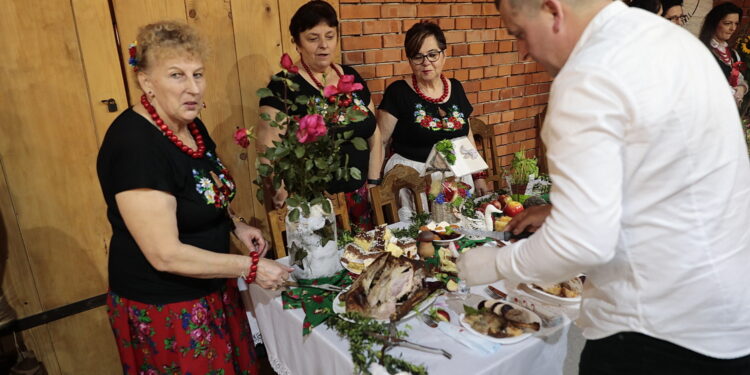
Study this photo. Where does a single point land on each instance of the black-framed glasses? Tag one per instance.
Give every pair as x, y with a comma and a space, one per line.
431, 56
683, 19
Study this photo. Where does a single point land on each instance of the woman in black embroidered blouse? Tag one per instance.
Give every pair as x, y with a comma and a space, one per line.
418, 112
718, 28
172, 279
314, 28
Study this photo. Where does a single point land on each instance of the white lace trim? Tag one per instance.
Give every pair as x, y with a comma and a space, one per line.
718, 44
278, 366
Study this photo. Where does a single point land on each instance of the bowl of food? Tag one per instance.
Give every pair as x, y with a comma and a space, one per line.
443, 233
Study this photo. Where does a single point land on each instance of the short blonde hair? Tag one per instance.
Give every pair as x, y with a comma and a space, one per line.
166, 38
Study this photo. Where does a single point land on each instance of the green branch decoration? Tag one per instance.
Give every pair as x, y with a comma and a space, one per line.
445, 148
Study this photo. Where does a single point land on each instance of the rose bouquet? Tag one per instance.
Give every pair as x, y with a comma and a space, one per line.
306, 158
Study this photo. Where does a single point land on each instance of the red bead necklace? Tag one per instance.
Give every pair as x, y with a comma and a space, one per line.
425, 97
724, 55
195, 154
309, 72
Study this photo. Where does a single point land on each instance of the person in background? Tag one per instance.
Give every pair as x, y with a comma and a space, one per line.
718, 28
420, 111
173, 303
314, 29
674, 12
653, 6
651, 191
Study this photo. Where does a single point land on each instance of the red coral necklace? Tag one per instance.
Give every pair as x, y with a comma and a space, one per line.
309, 72
427, 98
725, 55
195, 154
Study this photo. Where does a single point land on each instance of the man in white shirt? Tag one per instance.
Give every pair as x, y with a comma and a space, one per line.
651, 191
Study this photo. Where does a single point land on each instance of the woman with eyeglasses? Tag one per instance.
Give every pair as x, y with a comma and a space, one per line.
424, 109
673, 11
720, 24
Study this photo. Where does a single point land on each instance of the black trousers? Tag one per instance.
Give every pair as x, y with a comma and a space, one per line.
631, 353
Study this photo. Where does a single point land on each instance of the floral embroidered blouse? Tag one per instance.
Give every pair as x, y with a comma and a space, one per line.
421, 124
135, 155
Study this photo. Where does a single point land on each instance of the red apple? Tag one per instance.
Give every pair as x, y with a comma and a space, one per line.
513, 208
497, 204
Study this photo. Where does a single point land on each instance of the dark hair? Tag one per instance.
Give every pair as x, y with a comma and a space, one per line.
666, 4
714, 17
418, 33
310, 15
652, 6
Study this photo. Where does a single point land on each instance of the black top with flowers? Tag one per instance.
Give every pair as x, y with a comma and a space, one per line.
421, 124
135, 155
364, 128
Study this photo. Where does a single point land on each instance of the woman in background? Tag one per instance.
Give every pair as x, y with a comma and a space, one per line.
718, 28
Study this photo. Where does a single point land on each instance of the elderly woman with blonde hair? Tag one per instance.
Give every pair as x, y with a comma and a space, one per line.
173, 302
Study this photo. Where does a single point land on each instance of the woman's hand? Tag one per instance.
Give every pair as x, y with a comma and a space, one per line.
480, 187
251, 237
739, 94
271, 274
279, 198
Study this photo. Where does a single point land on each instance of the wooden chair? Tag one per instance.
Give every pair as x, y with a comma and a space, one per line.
386, 194
484, 137
277, 222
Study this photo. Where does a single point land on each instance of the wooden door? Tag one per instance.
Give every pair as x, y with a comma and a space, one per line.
49, 197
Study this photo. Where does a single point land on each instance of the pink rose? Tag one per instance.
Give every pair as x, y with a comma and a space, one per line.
288, 64
242, 137
143, 329
347, 85
311, 127
330, 90
152, 372
197, 335
199, 314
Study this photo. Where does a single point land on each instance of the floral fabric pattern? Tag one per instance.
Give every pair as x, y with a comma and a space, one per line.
217, 187
454, 119
358, 205
207, 336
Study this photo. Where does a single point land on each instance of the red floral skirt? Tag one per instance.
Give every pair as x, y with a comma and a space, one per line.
209, 335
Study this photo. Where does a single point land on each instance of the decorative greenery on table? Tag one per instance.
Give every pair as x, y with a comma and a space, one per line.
417, 220
358, 331
445, 148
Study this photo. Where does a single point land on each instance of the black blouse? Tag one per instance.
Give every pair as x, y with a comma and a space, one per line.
364, 128
134, 155
421, 124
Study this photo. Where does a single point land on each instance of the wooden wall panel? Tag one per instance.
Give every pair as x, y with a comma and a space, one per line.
104, 75
131, 15
84, 343
17, 281
223, 113
257, 60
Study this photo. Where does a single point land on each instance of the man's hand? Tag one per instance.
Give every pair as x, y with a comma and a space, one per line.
529, 220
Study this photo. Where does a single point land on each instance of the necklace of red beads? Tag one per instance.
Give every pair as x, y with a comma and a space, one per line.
195, 154
725, 55
427, 98
309, 72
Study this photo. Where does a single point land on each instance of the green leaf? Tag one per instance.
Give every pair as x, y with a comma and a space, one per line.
265, 116
280, 116
259, 195
359, 143
321, 162
355, 173
305, 209
327, 206
468, 310
292, 201
309, 164
348, 134
294, 215
354, 115
302, 100
264, 92
264, 170
299, 151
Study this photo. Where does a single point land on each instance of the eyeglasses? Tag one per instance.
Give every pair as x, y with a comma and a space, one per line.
431, 56
683, 19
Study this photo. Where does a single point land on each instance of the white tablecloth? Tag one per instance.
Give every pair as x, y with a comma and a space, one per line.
324, 352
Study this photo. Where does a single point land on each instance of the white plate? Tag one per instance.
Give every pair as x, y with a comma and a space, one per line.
505, 340
340, 307
445, 243
546, 297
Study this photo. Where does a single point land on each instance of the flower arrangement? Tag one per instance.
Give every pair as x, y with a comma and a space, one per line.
451, 192
307, 157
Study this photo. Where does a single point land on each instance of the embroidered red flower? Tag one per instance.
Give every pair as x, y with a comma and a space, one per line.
317, 298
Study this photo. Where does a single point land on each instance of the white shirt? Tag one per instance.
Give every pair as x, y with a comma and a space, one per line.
650, 187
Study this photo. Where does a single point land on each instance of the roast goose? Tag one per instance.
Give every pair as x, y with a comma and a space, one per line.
388, 288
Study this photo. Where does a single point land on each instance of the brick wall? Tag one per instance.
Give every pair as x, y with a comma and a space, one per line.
506, 93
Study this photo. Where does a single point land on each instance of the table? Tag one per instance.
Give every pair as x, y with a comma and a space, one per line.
324, 352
